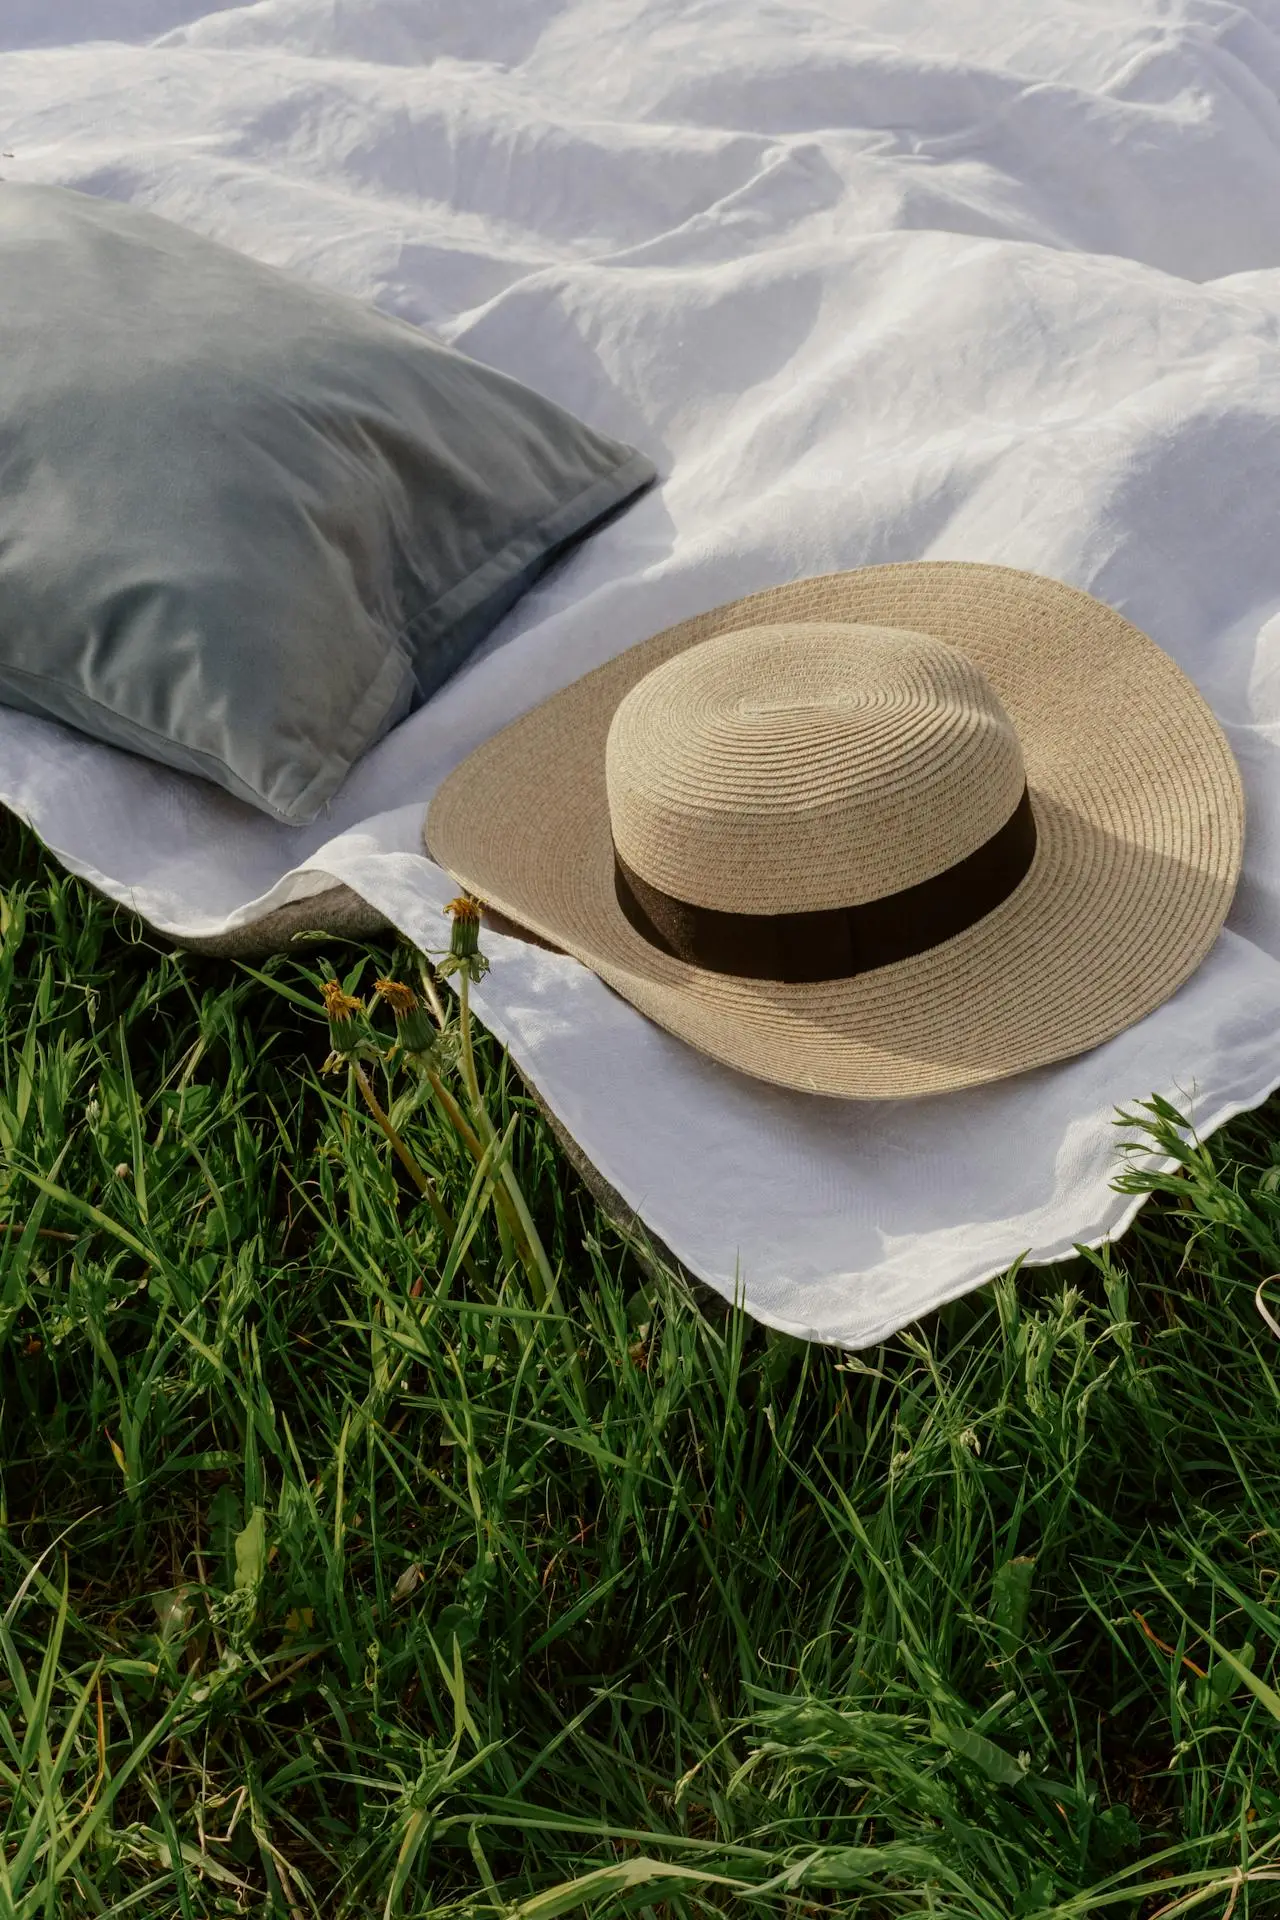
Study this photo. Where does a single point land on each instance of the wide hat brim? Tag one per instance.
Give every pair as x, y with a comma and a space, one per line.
1139, 815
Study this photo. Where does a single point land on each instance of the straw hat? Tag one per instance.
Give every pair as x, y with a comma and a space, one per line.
879, 833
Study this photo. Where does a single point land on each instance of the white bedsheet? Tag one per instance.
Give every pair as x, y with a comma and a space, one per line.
872, 280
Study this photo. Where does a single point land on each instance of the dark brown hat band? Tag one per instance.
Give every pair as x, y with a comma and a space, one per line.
838, 942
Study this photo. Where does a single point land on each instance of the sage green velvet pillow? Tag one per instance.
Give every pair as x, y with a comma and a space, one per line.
247, 524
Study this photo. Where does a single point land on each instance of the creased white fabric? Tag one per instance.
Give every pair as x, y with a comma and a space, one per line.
872, 280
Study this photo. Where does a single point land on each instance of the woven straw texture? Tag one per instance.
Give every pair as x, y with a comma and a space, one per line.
1138, 810
787, 768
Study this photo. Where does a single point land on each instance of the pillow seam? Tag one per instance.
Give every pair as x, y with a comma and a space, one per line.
617, 483
344, 759
614, 485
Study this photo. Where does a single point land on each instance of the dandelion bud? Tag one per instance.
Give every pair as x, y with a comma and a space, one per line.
346, 1023
415, 1031
464, 954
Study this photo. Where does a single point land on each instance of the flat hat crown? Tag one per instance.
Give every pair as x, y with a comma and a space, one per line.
790, 768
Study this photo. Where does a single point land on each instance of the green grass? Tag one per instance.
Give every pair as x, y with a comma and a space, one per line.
336, 1581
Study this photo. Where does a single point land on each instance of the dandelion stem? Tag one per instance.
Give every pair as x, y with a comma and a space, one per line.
468, 1053
507, 1212
453, 1114
421, 1180
432, 995
458, 1121
511, 1210
533, 1253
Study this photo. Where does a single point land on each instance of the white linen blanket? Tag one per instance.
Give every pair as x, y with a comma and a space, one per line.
871, 280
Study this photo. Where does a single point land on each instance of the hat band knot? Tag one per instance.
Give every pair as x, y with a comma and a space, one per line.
834, 943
